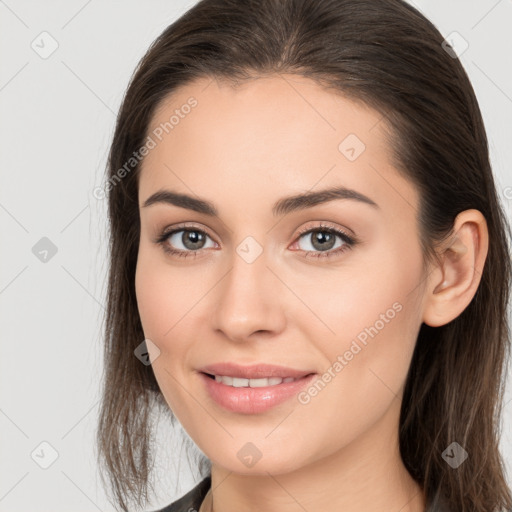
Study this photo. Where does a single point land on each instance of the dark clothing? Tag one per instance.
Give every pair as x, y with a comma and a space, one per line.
191, 501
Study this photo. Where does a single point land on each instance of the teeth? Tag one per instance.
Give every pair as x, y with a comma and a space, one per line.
253, 383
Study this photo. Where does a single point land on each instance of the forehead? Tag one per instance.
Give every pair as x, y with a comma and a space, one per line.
269, 136
255, 111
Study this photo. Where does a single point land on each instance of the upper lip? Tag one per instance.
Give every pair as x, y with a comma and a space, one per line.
255, 371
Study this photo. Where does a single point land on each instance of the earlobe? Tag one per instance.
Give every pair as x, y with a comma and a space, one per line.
461, 261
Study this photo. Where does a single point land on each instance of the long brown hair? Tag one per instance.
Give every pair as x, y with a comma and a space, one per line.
387, 55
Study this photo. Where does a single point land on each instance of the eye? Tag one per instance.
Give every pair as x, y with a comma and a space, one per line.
321, 241
188, 241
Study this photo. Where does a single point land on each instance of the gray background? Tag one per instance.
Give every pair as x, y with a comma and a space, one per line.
57, 118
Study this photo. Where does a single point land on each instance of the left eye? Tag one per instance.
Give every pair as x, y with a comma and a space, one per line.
323, 240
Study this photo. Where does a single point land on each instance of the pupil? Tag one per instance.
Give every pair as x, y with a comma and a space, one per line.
191, 239
323, 240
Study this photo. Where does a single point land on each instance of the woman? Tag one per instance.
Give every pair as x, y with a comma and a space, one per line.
309, 264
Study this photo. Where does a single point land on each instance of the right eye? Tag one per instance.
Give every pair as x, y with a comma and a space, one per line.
192, 241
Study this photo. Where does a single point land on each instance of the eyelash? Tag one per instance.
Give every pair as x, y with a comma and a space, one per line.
349, 241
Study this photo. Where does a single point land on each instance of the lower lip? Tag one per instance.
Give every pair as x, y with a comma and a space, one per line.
247, 400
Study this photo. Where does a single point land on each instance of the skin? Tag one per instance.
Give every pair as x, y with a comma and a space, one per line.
243, 149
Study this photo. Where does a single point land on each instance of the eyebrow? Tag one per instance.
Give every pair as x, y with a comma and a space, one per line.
283, 206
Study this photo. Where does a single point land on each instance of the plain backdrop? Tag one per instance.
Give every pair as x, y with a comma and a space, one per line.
57, 117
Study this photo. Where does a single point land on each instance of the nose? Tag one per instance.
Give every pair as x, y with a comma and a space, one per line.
249, 302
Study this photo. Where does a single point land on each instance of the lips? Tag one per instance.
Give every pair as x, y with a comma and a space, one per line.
255, 371
253, 400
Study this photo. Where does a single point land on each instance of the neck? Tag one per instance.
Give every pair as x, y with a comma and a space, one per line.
368, 474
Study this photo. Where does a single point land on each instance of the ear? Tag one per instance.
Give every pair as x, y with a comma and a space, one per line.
454, 281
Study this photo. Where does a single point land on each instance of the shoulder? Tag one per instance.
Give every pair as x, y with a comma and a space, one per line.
191, 501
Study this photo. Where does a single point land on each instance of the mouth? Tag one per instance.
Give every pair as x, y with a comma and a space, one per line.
255, 372
262, 382
252, 395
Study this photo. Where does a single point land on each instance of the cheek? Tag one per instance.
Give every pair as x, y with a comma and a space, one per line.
151, 299
374, 291
164, 295
160, 310
376, 322
169, 301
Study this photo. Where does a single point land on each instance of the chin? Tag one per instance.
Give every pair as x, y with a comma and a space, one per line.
287, 462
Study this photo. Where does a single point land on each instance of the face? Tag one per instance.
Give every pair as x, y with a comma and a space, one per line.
329, 287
